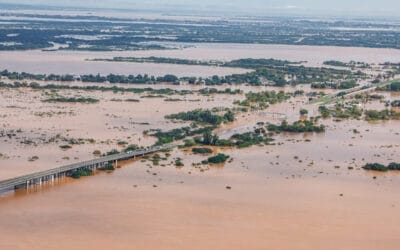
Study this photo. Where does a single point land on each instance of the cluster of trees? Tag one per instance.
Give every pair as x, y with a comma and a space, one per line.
202, 151
177, 134
374, 115
300, 126
342, 85
131, 79
251, 63
21, 76
325, 112
204, 117
303, 111
343, 111
266, 71
72, 99
218, 159
336, 63
346, 111
111, 78
263, 98
208, 138
81, 172
381, 167
394, 86
164, 91
248, 139
395, 103
271, 69
166, 60
257, 137
210, 91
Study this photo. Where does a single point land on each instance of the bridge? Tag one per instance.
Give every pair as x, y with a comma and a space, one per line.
50, 175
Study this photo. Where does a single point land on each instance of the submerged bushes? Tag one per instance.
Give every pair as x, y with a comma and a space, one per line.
381, 167
203, 116
81, 172
202, 151
219, 158
300, 126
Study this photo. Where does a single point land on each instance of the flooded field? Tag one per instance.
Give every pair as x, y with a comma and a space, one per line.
73, 62
301, 191
306, 191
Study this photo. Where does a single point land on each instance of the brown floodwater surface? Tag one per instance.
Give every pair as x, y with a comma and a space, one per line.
266, 207
305, 191
76, 62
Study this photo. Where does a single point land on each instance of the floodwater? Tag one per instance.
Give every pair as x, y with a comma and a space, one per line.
314, 55
305, 192
76, 62
111, 120
67, 62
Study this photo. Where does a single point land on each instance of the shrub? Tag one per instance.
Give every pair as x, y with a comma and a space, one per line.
376, 167
303, 111
203, 116
300, 126
65, 147
179, 163
325, 112
112, 152
189, 143
202, 150
81, 172
394, 166
219, 158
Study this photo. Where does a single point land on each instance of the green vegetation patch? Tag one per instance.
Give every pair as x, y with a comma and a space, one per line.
342, 111
72, 100
381, 167
203, 116
81, 172
177, 134
376, 115
300, 126
202, 150
392, 86
218, 159
261, 100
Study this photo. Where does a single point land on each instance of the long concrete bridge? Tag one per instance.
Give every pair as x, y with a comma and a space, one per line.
50, 175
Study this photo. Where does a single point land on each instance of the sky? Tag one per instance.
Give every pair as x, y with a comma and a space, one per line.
321, 7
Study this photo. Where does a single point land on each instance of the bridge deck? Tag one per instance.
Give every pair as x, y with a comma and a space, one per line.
21, 180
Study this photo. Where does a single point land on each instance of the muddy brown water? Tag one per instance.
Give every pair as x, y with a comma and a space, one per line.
305, 192
75, 62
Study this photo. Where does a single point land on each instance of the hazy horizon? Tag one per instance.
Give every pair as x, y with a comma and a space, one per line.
310, 7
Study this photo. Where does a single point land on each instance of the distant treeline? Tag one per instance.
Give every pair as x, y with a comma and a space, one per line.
150, 91
265, 72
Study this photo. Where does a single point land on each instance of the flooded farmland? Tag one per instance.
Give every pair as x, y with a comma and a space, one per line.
294, 139
310, 187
